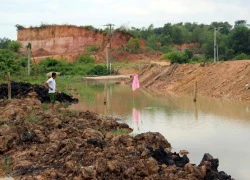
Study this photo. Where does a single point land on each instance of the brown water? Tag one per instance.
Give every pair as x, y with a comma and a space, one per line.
219, 127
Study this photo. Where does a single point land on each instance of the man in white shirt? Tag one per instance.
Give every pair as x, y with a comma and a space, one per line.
51, 84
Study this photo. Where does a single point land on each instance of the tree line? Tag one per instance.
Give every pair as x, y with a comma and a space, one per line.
233, 40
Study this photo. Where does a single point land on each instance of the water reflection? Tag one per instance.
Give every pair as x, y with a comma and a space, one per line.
220, 127
136, 117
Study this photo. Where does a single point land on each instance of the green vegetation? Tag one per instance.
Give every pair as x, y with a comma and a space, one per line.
12, 61
232, 40
31, 118
8, 56
181, 57
120, 131
7, 164
45, 106
84, 65
133, 45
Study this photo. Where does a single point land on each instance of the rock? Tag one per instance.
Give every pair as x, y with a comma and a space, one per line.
214, 162
110, 124
88, 172
101, 165
70, 166
130, 172
184, 152
114, 166
152, 139
42, 138
29, 136
247, 87
97, 143
145, 152
122, 140
131, 148
57, 136
152, 166
22, 167
8, 113
56, 122
4, 143
109, 135
93, 134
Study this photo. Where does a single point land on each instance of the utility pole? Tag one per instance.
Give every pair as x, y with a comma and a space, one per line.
108, 55
215, 30
29, 55
216, 49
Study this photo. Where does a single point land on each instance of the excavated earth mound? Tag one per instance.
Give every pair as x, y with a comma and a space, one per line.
20, 90
41, 144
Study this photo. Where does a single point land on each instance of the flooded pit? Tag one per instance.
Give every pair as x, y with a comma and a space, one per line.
219, 127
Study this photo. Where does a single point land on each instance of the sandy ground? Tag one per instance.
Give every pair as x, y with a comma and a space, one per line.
111, 77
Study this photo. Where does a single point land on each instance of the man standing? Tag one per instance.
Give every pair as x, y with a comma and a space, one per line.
51, 84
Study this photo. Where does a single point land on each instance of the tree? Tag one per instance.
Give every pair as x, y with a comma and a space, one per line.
14, 46
4, 43
19, 27
133, 45
240, 23
239, 40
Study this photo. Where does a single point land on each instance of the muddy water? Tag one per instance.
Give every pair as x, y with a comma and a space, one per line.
220, 127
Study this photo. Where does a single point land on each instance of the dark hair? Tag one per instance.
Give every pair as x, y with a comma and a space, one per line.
53, 74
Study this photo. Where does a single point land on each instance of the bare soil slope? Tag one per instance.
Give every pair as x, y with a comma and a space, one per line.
68, 42
223, 80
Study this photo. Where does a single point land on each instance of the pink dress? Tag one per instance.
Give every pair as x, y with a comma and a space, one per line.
136, 83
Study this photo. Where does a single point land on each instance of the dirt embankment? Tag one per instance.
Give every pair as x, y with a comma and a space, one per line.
223, 80
68, 42
39, 144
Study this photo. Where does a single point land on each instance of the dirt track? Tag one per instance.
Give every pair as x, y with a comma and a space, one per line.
222, 80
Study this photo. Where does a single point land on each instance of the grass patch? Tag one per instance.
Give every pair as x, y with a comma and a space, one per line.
120, 131
45, 106
7, 164
31, 118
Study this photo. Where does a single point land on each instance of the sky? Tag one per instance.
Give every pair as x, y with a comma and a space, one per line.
131, 13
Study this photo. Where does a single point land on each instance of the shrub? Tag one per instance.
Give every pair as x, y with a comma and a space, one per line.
19, 27
98, 70
242, 56
8, 61
14, 46
133, 45
197, 59
188, 54
85, 59
175, 57
92, 49
178, 57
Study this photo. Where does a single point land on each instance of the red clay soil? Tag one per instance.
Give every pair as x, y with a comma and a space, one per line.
223, 80
68, 42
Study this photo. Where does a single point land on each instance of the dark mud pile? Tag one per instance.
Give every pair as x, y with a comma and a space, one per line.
20, 90
40, 144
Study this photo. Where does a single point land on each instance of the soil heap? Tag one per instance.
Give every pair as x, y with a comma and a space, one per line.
20, 90
229, 79
36, 143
